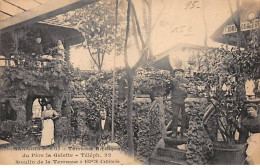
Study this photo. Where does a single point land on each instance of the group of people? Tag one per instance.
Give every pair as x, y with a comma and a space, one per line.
250, 120
250, 123
248, 128
178, 90
103, 124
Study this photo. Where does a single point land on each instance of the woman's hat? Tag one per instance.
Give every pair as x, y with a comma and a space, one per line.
251, 105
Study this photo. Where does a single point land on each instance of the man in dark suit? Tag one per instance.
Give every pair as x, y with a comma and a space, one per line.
103, 128
177, 88
104, 123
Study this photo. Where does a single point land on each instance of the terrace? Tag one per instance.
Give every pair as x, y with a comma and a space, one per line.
35, 56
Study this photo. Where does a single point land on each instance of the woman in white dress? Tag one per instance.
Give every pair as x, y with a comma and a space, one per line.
251, 125
48, 116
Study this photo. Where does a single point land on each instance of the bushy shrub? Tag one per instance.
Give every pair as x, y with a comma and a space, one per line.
18, 134
98, 93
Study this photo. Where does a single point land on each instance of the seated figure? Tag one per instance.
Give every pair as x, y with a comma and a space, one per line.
37, 48
250, 123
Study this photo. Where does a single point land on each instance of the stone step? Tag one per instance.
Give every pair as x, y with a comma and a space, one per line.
174, 142
175, 154
162, 160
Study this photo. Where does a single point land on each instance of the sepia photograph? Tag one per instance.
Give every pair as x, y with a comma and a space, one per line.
129, 82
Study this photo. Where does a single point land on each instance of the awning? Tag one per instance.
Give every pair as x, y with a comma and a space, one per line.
70, 35
163, 63
180, 52
50, 34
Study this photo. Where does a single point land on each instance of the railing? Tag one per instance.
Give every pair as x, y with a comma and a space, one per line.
30, 63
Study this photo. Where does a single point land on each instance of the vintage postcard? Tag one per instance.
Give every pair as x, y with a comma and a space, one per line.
129, 82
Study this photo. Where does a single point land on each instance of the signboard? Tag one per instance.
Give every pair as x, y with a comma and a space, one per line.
245, 26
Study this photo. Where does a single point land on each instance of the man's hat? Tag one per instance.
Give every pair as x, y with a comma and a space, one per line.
175, 70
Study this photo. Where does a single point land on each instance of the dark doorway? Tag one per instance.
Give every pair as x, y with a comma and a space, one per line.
42, 100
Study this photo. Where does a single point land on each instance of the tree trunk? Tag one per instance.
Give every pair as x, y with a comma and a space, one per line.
99, 61
130, 72
238, 24
130, 90
240, 35
99, 68
205, 24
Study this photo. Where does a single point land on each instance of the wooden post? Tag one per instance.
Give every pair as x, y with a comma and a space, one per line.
161, 117
67, 52
114, 76
130, 133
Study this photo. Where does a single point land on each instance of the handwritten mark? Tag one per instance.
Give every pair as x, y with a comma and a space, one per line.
182, 29
192, 5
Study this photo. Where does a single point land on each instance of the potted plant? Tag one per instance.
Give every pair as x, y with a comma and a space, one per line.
229, 71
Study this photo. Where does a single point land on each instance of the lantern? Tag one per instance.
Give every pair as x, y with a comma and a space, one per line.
2, 61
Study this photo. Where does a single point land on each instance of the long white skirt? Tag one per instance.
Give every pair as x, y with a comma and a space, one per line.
253, 150
47, 133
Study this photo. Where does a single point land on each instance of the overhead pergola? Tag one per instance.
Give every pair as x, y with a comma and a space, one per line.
29, 15
18, 13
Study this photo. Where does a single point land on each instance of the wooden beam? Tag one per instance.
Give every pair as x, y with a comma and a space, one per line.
14, 5
41, 12
37, 2
6, 13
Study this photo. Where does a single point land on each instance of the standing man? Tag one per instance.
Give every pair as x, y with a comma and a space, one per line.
178, 88
103, 128
104, 123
